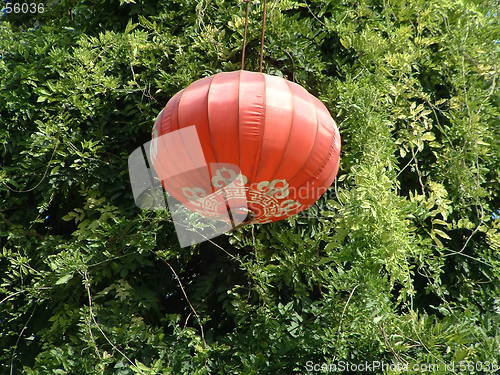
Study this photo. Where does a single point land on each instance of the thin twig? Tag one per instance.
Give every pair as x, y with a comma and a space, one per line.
92, 316
293, 65
227, 252
25, 232
422, 343
199, 304
245, 35
12, 295
418, 171
23, 291
469, 238
188, 301
337, 191
44, 175
406, 166
212, 242
387, 343
19, 338
262, 38
317, 19
342, 316
43, 210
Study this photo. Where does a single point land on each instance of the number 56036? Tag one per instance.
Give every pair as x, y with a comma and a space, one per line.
24, 8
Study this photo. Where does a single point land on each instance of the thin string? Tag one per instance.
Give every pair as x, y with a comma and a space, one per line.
245, 36
262, 39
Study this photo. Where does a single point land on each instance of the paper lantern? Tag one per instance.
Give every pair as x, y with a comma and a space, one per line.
274, 141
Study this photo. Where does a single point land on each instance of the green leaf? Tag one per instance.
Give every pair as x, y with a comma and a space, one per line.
130, 25
64, 279
441, 234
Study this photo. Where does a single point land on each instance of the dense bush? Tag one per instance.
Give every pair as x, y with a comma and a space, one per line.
399, 261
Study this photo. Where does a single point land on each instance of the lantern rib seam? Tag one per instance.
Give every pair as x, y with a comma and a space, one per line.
330, 153
332, 173
289, 136
261, 129
210, 132
175, 108
329, 157
193, 182
314, 143
239, 125
200, 176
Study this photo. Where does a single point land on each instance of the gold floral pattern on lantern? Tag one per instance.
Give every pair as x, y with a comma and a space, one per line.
268, 196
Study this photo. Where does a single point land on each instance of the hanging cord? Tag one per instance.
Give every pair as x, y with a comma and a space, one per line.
245, 36
262, 39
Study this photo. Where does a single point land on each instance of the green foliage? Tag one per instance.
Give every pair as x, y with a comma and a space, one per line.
398, 262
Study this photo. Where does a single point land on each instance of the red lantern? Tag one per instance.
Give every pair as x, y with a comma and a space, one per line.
283, 140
